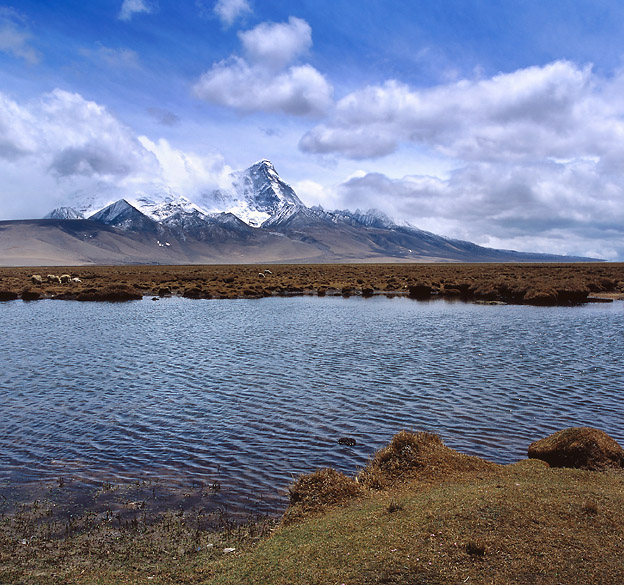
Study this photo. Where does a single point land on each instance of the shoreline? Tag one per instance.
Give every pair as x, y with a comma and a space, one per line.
532, 284
415, 494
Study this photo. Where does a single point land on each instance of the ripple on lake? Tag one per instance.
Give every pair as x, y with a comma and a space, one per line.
252, 392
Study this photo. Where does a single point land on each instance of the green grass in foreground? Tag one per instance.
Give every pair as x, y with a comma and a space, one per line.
421, 514
523, 524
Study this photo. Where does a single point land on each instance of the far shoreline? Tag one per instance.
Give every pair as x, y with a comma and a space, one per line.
518, 283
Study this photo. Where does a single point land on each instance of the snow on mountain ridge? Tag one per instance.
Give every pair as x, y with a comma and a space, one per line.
64, 213
171, 204
257, 196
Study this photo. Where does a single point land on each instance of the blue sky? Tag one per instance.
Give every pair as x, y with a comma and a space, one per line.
497, 122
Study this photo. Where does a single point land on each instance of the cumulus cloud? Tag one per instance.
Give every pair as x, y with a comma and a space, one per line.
566, 207
62, 147
536, 155
131, 7
275, 45
186, 172
313, 193
17, 138
229, 11
558, 110
266, 79
15, 37
83, 138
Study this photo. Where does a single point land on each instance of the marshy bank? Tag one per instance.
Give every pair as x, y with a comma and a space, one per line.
536, 284
419, 512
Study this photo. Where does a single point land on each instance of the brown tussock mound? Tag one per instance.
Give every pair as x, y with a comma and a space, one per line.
112, 293
535, 284
315, 492
579, 447
417, 455
409, 456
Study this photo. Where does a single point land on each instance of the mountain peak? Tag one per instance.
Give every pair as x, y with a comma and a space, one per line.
256, 196
123, 215
64, 213
265, 162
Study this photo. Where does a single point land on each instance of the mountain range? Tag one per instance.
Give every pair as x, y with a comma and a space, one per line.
258, 218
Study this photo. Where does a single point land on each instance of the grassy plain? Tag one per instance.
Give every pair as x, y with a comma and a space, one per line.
518, 283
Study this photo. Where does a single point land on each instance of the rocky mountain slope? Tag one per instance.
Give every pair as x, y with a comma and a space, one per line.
259, 218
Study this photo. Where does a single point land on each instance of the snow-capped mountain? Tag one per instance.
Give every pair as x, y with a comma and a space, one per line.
162, 204
259, 217
64, 213
124, 216
256, 196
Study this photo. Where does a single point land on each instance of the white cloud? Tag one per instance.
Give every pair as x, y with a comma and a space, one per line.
265, 80
229, 11
537, 157
313, 193
299, 91
83, 138
276, 44
187, 172
15, 37
559, 110
550, 207
17, 138
61, 144
131, 7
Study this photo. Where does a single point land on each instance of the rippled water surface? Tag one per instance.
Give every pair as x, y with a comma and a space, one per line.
250, 393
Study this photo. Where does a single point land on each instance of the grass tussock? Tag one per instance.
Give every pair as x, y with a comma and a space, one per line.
525, 523
579, 447
411, 455
315, 492
537, 284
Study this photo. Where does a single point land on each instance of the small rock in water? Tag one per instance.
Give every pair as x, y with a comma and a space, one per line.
349, 441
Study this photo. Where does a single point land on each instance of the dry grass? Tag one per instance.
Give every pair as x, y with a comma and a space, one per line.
315, 492
579, 447
540, 284
412, 456
524, 523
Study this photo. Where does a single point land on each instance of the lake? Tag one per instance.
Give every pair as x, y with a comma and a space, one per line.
246, 394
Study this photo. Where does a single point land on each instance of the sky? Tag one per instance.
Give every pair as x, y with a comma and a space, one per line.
498, 122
